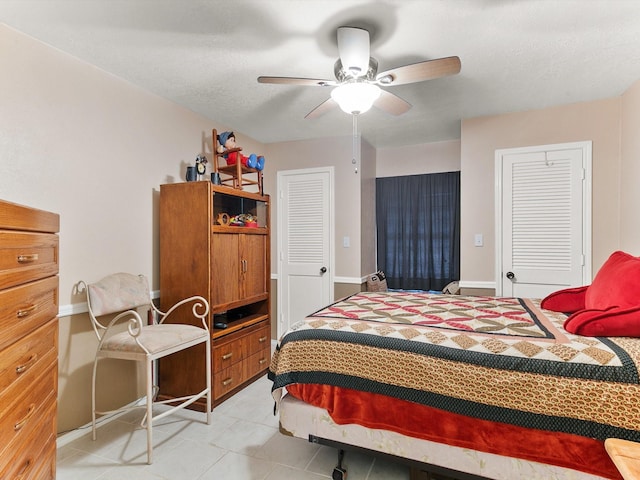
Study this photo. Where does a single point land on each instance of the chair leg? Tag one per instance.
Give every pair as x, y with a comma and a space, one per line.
208, 373
93, 399
149, 373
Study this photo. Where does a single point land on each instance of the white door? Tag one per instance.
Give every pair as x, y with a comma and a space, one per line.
544, 237
305, 245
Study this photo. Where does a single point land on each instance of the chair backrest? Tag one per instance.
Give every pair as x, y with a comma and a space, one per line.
116, 293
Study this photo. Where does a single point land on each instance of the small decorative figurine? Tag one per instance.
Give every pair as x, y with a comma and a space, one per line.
201, 164
226, 142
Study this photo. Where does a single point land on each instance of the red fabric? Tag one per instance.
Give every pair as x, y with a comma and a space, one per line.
609, 307
568, 300
613, 322
617, 283
381, 412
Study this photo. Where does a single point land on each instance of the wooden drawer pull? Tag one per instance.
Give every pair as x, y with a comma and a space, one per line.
27, 258
262, 339
26, 311
25, 469
23, 422
262, 361
25, 366
226, 382
227, 356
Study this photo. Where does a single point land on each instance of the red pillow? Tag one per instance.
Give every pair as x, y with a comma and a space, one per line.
617, 283
568, 300
614, 322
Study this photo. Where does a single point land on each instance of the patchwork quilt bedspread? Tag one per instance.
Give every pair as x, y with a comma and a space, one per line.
498, 359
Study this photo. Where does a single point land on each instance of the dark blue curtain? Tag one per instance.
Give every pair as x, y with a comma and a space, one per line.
418, 230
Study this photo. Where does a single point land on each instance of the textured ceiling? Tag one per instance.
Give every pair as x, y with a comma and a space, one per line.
206, 55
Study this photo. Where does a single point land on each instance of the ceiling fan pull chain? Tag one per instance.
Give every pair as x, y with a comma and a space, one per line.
355, 141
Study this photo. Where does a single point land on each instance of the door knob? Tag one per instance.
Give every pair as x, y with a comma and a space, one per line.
323, 270
511, 275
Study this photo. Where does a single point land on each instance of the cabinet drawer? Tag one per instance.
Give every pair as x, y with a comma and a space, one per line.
258, 340
26, 411
34, 457
25, 257
256, 363
225, 355
26, 359
25, 308
227, 379
47, 468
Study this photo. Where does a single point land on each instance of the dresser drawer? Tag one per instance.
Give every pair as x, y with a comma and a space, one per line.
34, 456
26, 359
227, 354
227, 379
25, 308
26, 410
45, 464
256, 363
258, 340
25, 257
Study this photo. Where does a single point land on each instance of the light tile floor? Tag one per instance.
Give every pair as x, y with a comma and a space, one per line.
242, 443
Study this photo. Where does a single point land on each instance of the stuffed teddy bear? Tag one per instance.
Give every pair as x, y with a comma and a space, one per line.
609, 307
226, 142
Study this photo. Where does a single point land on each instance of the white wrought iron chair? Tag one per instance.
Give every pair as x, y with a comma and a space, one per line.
123, 294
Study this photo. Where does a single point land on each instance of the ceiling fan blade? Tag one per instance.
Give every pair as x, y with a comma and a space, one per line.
311, 82
391, 103
421, 71
353, 47
323, 108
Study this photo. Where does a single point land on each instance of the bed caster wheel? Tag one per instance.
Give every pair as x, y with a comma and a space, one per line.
339, 474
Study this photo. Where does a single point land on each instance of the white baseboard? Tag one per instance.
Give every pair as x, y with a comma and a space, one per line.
477, 284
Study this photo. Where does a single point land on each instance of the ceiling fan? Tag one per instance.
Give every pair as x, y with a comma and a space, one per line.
357, 84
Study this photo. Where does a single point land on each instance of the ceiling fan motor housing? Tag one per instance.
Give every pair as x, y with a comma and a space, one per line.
342, 75
353, 46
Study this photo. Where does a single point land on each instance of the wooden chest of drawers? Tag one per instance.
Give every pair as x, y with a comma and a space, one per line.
28, 342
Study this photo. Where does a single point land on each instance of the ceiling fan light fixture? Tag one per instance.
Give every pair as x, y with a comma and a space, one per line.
355, 98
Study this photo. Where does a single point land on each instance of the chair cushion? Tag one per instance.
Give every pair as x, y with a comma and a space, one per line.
118, 292
155, 338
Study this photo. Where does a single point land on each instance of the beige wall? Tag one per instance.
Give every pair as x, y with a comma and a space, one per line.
367, 238
82, 143
597, 121
433, 157
335, 152
630, 165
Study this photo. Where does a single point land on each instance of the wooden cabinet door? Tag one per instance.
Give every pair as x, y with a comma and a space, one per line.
225, 269
253, 254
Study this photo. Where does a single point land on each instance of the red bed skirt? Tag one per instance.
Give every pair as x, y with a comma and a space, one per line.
377, 411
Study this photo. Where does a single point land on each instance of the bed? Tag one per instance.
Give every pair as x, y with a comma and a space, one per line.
470, 386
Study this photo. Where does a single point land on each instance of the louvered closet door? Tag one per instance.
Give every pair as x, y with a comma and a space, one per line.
542, 222
304, 232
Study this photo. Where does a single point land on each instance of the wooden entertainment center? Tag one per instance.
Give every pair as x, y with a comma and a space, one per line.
202, 253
